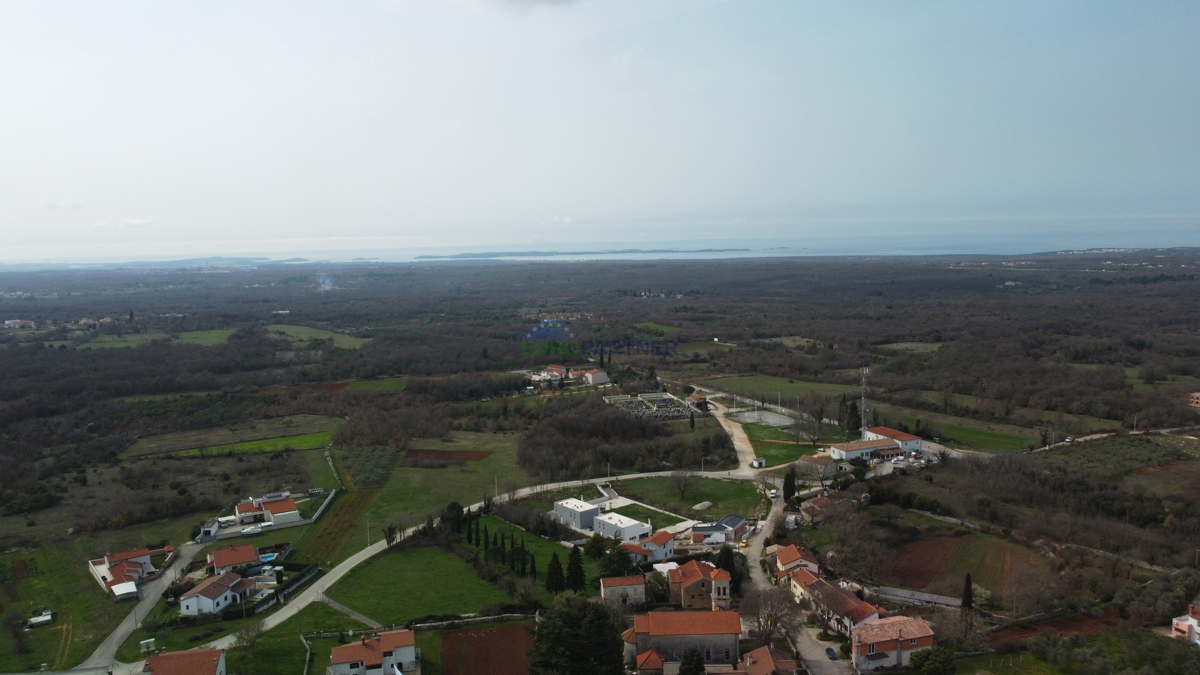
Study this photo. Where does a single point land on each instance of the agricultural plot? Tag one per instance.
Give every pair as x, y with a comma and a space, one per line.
753, 385
320, 439
486, 650
939, 565
280, 653
279, 427
304, 334
961, 431
654, 328
396, 587
128, 340
205, 338
727, 496
326, 542
378, 385
1006, 664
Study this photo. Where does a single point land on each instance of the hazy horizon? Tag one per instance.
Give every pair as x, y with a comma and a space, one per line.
140, 131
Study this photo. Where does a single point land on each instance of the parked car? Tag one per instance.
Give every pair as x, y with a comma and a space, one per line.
831, 654
1070, 439
897, 460
774, 494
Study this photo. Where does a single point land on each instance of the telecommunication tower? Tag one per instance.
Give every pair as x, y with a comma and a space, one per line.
862, 407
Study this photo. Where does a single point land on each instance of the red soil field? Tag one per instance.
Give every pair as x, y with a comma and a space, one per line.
918, 564
495, 650
1084, 624
448, 455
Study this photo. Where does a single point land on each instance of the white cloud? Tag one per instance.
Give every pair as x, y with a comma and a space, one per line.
123, 223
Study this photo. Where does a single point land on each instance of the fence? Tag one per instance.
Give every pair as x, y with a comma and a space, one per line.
321, 510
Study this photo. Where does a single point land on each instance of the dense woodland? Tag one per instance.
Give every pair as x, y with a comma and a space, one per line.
1052, 332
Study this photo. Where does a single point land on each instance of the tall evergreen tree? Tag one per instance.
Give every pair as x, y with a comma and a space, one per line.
692, 662
577, 636
533, 568
967, 608
486, 541
789, 484
576, 581
615, 563
554, 575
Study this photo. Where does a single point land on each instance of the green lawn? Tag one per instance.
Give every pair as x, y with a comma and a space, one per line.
655, 327
983, 440
776, 453
299, 442
961, 431
397, 587
1006, 664
378, 385
128, 340
656, 518
318, 468
205, 338
304, 334
280, 651
255, 430
752, 385
541, 547
727, 496
412, 493
176, 639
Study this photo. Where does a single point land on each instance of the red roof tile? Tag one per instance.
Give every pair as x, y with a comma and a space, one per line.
695, 570
635, 549
649, 660
766, 661
242, 554
191, 662
614, 582
893, 434
213, 587
127, 555
660, 538
891, 628
278, 506
248, 507
716, 622
370, 650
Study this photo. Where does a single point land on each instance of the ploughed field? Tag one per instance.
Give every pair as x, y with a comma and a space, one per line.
938, 565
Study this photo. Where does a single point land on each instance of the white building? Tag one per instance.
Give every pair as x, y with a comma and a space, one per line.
277, 509
576, 513
120, 573
380, 654
658, 547
621, 528
872, 449
1187, 627
595, 376
216, 594
911, 445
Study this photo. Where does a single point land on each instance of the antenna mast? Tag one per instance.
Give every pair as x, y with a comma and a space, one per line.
864, 372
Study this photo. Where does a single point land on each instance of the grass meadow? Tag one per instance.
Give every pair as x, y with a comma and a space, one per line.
656, 518
394, 588
304, 334
378, 385
278, 427
727, 496
299, 442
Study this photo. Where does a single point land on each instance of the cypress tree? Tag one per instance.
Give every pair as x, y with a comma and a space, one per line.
554, 575
968, 603
533, 567
576, 581
789, 484
486, 541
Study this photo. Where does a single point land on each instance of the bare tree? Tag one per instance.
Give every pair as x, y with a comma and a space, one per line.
771, 612
682, 480
248, 637
859, 551
810, 472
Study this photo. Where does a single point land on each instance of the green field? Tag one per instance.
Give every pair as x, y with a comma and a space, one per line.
277, 427
753, 385
378, 385
205, 338
728, 496
128, 340
280, 651
300, 442
960, 431
541, 548
179, 638
657, 328
657, 519
777, 453
396, 587
1006, 664
983, 440
305, 334
917, 347
412, 493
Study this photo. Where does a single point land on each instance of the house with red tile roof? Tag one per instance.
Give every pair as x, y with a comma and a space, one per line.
623, 591
1187, 627
275, 509
889, 642
792, 557
120, 573
767, 661
649, 662
378, 653
715, 633
190, 662
231, 558
656, 547
838, 607
911, 445
595, 376
882, 448
216, 594
699, 585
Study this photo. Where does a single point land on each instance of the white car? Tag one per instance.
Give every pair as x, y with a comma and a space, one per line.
898, 460
774, 494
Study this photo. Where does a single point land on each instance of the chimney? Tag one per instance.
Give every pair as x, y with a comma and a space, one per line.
363, 640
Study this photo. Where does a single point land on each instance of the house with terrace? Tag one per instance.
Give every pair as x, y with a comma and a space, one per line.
382, 653
120, 573
216, 594
232, 558
656, 547
277, 508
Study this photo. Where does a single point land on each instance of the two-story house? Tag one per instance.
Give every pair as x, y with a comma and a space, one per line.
378, 654
623, 591
231, 558
656, 547
793, 557
699, 585
1187, 627
889, 642
667, 634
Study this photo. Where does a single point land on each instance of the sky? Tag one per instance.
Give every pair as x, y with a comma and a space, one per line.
133, 130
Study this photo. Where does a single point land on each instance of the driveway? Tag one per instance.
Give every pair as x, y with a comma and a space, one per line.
812, 652
741, 442
754, 551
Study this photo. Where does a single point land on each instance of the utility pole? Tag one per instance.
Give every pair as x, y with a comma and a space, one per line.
368, 530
